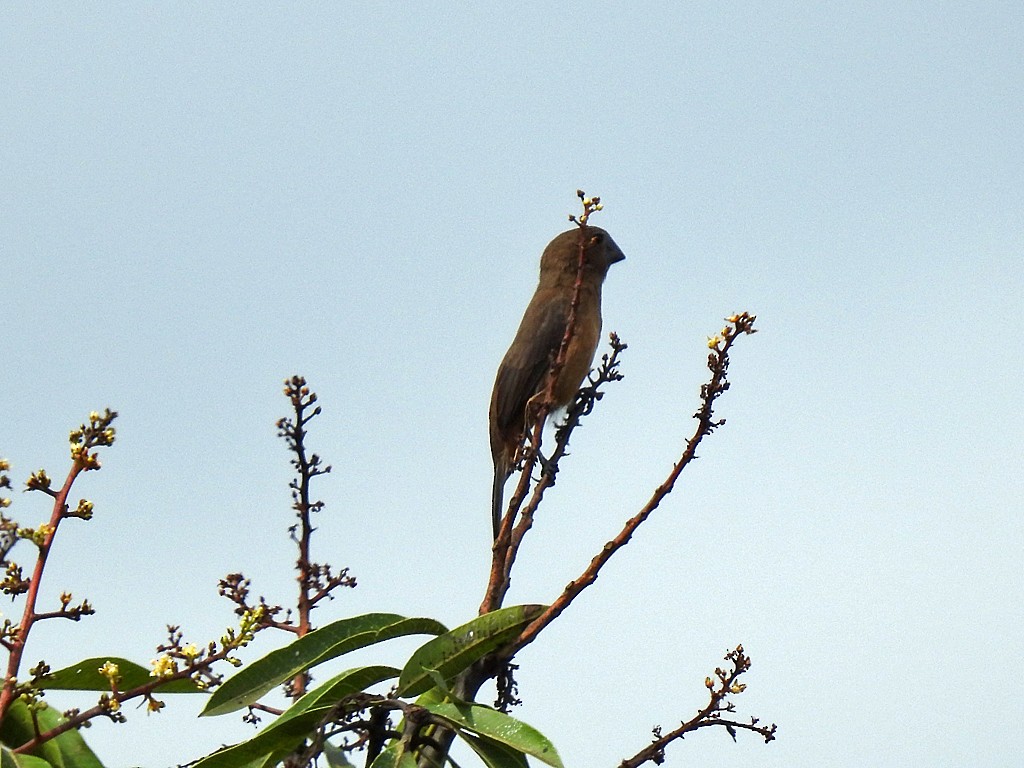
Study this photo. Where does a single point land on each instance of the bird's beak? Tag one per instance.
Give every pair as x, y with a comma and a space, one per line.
614, 257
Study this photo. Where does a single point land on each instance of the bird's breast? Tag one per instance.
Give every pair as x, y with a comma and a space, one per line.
580, 355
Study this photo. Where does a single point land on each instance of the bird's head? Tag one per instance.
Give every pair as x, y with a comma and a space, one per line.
563, 253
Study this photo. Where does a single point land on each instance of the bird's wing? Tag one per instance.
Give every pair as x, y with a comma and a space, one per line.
521, 374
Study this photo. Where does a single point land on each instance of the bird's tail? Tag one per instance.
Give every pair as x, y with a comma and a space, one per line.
498, 497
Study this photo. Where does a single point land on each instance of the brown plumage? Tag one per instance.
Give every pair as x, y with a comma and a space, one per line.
523, 371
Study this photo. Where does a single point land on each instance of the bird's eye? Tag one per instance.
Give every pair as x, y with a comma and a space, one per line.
597, 238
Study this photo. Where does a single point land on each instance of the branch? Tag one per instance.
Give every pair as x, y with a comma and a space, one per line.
538, 409
710, 715
195, 665
98, 432
316, 581
718, 364
582, 405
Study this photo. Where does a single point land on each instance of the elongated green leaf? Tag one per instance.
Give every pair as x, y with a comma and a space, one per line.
10, 760
495, 754
298, 721
318, 646
340, 686
499, 727
85, 676
68, 750
452, 652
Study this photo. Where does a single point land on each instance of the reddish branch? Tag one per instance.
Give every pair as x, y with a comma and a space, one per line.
501, 568
97, 433
510, 537
718, 363
29, 616
146, 690
507, 543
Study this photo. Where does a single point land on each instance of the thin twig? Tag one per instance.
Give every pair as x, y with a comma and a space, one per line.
710, 715
718, 363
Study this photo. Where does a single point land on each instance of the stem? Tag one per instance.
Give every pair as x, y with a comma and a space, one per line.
719, 365
29, 616
505, 547
302, 507
120, 696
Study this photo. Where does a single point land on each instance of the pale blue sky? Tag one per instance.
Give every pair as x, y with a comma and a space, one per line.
200, 199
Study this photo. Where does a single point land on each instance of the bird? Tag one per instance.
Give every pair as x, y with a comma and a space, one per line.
522, 374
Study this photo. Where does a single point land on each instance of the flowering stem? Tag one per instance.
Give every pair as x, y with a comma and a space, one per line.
718, 364
29, 616
120, 697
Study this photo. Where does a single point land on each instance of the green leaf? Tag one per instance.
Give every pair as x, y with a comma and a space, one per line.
318, 646
499, 727
10, 760
68, 750
494, 754
340, 686
85, 676
454, 651
289, 730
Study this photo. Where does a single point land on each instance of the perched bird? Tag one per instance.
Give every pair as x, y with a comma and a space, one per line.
523, 372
